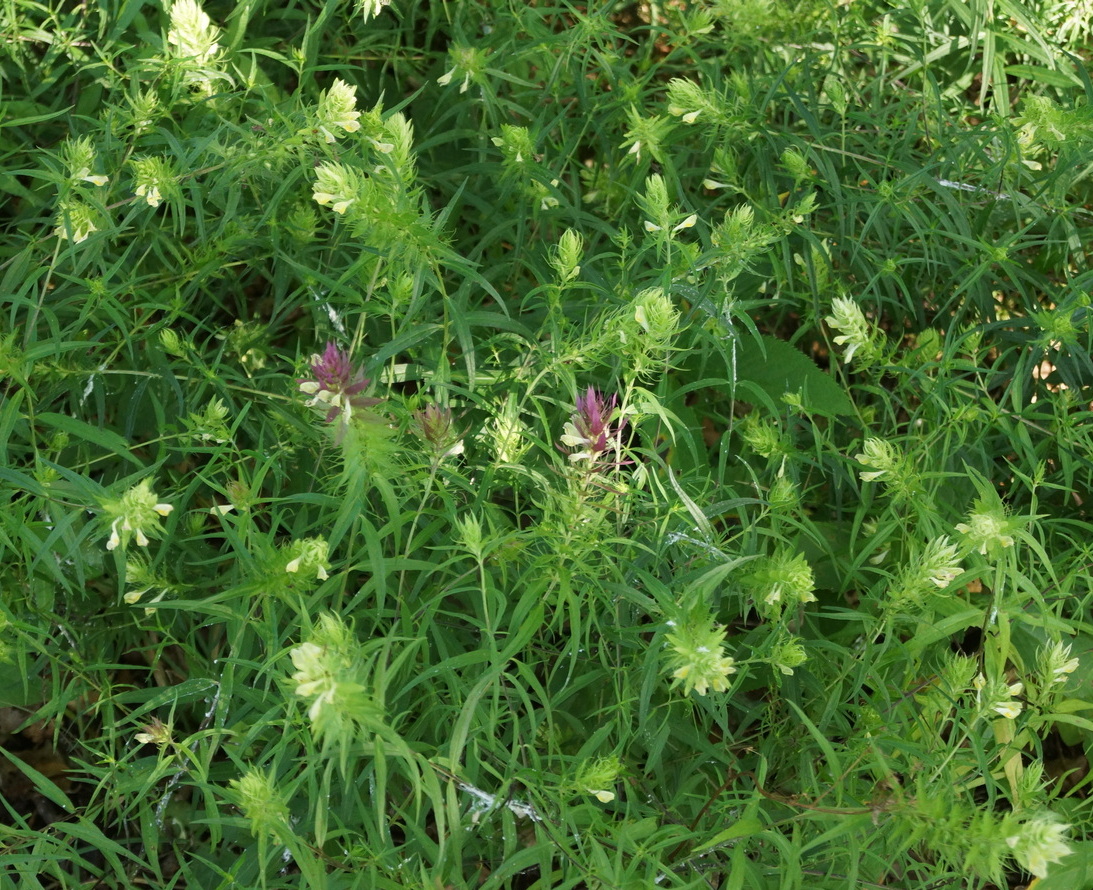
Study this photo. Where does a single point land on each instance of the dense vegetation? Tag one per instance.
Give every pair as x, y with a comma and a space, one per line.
545, 445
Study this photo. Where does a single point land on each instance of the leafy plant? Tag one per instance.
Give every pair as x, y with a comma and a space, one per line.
544, 446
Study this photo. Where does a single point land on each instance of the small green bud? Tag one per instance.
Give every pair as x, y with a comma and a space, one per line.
566, 260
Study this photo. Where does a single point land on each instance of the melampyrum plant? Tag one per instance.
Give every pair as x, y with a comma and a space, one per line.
537, 446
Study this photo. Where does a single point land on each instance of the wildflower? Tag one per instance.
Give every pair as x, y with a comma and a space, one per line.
657, 319
257, 796
337, 109
589, 429
192, 33
336, 185
156, 732
135, 515
142, 580
313, 679
788, 655
998, 697
153, 177
781, 581
75, 222
468, 60
371, 8
434, 424
697, 656
468, 532
397, 142
150, 193
988, 530
783, 494
939, 564
566, 260
796, 165
321, 660
764, 438
210, 425
646, 134
687, 101
686, 224
508, 436
145, 108
309, 555
79, 158
880, 455
1040, 841
327, 673
515, 144
1055, 663
336, 382
597, 776
654, 202
847, 317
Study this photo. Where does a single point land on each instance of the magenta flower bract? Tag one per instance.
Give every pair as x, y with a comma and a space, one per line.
336, 382
590, 429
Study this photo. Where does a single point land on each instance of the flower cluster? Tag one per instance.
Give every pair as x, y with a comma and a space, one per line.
1055, 663
643, 331
154, 178
764, 438
649, 134
855, 331
79, 158
989, 530
338, 110
882, 457
142, 580
697, 656
660, 214
889, 465
336, 383
435, 424
516, 146
590, 430
75, 221
1038, 842
155, 732
997, 697
192, 33
931, 570
329, 670
597, 777
257, 795
336, 185
788, 655
566, 259
309, 555
369, 9
781, 581
469, 61
687, 101
506, 434
135, 514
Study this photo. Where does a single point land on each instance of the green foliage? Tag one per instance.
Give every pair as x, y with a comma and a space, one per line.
537, 446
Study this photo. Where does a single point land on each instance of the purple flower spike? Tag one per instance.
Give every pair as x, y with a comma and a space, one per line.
336, 382
589, 429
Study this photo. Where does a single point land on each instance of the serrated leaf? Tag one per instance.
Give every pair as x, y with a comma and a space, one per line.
777, 368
